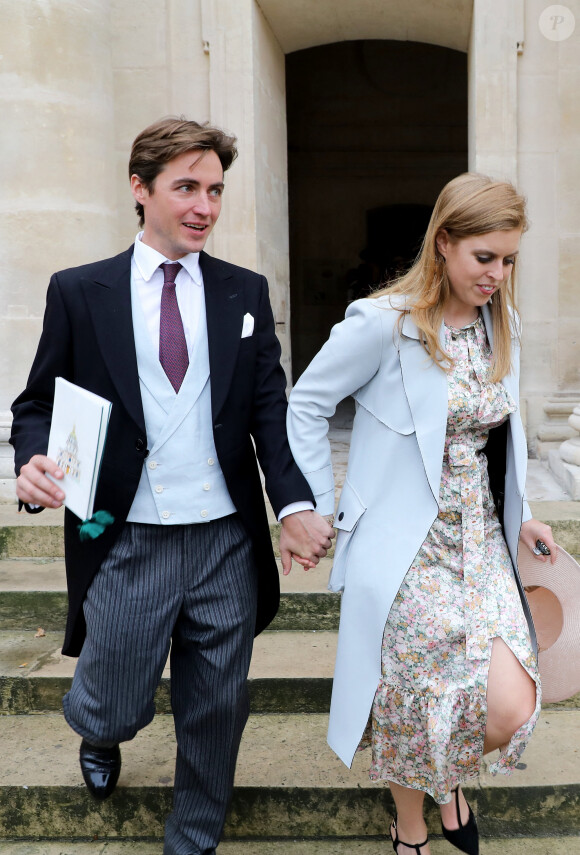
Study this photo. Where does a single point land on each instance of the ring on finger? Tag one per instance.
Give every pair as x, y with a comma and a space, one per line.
542, 548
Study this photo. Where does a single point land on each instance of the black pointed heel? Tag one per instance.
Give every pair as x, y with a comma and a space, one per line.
466, 837
396, 842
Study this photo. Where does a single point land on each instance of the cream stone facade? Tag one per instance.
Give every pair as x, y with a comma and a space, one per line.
80, 78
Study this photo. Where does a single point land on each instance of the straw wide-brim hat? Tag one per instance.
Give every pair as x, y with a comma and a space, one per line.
553, 592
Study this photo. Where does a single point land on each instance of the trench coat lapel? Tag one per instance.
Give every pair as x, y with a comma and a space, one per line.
224, 306
109, 299
426, 389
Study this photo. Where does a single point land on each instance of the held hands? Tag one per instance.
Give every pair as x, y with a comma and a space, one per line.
34, 488
305, 537
533, 530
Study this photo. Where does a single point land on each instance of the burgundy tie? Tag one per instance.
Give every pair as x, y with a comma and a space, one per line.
172, 345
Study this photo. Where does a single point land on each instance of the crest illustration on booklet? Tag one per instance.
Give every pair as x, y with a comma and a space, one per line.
76, 443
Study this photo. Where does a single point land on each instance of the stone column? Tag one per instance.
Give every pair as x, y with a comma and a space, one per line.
496, 37
6, 459
159, 69
247, 97
56, 170
548, 174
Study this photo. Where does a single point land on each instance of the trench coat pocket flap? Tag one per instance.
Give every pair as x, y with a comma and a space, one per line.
350, 508
387, 403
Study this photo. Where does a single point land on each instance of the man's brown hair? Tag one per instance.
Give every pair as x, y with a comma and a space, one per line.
167, 138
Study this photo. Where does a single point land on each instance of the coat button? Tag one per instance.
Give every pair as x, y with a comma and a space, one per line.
341, 516
140, 444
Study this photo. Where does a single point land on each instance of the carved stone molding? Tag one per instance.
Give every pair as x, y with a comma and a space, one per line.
556, 427
565, 461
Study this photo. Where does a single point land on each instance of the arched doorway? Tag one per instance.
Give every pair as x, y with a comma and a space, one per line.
375, 128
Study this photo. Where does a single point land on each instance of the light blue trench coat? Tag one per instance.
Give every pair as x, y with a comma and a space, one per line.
389, 499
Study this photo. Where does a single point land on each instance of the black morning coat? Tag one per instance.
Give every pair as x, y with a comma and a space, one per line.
87, 338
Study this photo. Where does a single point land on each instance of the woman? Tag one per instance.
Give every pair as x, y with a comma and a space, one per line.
436, 643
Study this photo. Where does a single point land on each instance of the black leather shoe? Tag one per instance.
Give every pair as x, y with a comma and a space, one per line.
100, 768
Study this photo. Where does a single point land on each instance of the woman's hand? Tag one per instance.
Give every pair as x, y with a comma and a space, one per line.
533, 530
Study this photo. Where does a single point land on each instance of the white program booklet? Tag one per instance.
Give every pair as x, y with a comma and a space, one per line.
76, 442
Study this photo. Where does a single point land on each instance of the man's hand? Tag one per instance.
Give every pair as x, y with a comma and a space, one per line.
533, 530
306, 537
34, 488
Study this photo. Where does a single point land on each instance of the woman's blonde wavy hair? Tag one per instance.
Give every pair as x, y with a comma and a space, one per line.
469, 205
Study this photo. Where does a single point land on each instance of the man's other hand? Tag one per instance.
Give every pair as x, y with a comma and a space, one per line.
305, 537
34, 488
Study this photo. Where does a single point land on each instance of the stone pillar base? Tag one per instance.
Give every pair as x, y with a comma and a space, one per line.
556, 427
8, 491
7, 477
566, 474
565, 461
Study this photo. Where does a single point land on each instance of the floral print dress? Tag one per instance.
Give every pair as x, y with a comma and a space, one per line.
429, 713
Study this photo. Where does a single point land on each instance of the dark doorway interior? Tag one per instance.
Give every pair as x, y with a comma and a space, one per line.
375, 129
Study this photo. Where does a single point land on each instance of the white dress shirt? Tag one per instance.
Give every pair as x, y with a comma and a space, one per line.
148, 278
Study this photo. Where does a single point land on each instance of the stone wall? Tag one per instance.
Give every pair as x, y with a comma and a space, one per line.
549, 174
79, 78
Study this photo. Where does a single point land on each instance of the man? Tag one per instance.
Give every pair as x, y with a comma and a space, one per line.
184, 347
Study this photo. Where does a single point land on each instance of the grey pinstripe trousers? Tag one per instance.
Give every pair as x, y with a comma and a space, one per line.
191, 588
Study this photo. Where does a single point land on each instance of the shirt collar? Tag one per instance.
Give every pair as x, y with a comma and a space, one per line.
148, 260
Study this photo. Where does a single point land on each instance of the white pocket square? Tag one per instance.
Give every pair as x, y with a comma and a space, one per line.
248, 325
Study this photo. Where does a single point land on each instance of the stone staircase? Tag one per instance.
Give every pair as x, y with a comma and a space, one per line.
292, 795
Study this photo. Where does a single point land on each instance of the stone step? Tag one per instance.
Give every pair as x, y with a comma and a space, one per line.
25, 535
30, 535
350, 846
48, 609
564, 517
288, 784
48, 574
34, 675
33, 594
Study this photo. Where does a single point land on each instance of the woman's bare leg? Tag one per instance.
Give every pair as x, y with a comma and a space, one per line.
449, 813
511, 697
511, 701
410, 823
